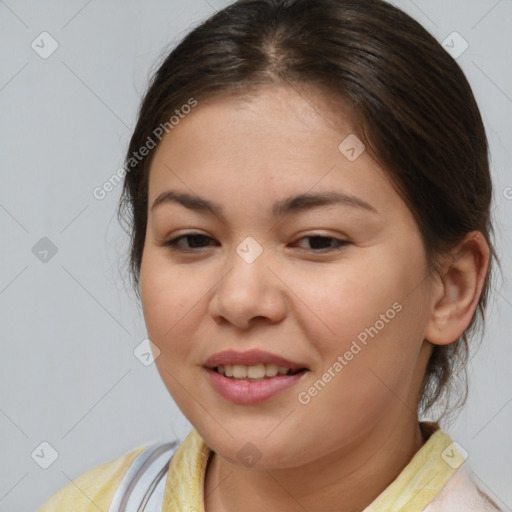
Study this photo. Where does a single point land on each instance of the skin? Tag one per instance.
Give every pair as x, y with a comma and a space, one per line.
355, 436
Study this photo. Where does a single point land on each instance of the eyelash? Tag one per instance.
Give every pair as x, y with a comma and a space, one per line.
173, 243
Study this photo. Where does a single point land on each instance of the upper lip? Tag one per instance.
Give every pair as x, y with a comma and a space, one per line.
250, 358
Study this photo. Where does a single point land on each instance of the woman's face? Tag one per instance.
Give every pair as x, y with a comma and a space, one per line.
349, 307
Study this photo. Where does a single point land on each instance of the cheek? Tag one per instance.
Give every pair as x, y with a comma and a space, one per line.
370, 312
169, 305
166, 298
350, 297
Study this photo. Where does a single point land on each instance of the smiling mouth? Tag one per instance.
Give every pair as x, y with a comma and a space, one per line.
255, 372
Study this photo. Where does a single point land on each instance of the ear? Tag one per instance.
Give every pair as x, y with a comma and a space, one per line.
456, 289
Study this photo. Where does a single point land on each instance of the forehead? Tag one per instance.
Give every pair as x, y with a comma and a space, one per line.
270, 141
297, 107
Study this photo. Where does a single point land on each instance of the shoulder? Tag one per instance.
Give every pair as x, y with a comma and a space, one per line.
461, 494
94, 489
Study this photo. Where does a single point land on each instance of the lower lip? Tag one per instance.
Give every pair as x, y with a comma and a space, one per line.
251, 392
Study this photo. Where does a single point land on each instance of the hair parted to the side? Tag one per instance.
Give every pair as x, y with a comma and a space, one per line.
408, 98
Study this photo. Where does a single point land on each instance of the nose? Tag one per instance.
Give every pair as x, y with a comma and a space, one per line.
249, 292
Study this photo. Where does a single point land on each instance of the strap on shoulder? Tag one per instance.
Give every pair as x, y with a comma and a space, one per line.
144, 482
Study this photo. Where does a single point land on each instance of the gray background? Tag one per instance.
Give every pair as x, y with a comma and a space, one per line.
68, 374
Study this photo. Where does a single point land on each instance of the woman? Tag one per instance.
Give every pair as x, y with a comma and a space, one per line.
308, 197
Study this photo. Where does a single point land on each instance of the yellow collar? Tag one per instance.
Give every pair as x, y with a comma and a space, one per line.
424, 476
418, 483
185, 480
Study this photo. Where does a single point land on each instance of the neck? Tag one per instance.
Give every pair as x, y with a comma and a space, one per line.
353, 477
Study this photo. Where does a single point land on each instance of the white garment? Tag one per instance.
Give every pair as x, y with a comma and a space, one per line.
461, 494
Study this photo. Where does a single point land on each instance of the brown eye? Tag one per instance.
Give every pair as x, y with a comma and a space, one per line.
195, 240
321, 243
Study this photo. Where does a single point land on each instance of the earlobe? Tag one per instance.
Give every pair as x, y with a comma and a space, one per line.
457, 290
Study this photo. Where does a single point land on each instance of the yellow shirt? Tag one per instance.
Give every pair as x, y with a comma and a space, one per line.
425, 484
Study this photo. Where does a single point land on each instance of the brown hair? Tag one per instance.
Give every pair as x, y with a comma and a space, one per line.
410, 101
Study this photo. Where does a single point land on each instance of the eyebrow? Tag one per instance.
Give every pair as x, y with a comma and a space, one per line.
289, 205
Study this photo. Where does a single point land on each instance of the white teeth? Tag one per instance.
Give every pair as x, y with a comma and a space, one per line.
272, 370
254, 372
239, 371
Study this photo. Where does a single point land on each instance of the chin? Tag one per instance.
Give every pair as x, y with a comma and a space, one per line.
259, 455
